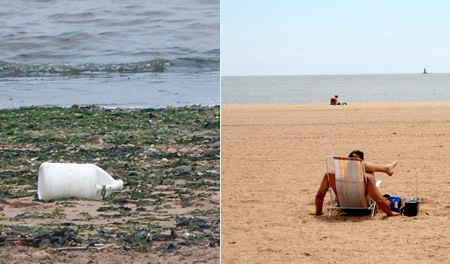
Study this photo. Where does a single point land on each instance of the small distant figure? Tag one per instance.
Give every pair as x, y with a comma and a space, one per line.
334, 100
424, 71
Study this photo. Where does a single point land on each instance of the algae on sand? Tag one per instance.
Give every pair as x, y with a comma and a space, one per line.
168, 159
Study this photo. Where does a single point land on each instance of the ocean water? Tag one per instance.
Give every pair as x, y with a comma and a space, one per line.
143, 53
317, 89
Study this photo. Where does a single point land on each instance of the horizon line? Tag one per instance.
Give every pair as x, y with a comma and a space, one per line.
329, 74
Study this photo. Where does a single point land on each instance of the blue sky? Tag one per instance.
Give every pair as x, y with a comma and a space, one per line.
295, 37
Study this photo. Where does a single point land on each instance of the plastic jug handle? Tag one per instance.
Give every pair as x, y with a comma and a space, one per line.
103, 193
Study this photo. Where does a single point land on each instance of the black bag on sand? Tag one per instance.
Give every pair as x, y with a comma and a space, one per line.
411, 207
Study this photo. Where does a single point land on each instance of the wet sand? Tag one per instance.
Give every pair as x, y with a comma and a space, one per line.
273, 159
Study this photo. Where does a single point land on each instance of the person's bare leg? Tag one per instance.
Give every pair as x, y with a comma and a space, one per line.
377, 197
332, 181
386, 168
321, 195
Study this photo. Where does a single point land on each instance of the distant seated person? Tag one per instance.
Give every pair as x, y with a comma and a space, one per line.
334, 101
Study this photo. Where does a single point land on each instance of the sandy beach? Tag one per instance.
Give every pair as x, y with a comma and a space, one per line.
272, 162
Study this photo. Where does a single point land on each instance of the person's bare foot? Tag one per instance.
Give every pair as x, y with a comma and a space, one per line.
391, 167
393, 214
317, 214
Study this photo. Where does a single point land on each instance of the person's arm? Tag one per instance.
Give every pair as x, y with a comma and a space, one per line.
321, 195
378, 198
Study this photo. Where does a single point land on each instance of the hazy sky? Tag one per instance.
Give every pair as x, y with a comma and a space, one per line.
295, 37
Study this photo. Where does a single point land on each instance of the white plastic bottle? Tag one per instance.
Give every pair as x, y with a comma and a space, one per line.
65, 180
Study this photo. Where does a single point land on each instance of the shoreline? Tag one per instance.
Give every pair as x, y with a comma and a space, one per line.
338, 106
113, 107
273, 160
331, 74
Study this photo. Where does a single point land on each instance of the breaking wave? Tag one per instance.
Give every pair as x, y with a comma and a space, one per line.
13, 69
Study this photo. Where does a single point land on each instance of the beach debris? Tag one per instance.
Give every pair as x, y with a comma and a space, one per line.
187, 235
200, 223
170, 247
23, 250
143, 233
143, 236
58, 213
214, 243
61, 236
208, 233
65, 180
173, 234
104, 231
180, 171
56, 147
184, 222
212, 153
162, 236
152, 152
107, 246
56, 238
95, 139
72, 248
125, 208
158, 243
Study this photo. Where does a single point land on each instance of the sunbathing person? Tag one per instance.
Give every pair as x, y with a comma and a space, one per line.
333, 100
371, 188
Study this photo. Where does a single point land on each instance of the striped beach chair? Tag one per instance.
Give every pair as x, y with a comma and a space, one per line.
351, 182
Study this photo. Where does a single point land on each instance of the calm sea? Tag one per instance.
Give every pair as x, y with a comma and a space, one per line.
142, 53
350, 88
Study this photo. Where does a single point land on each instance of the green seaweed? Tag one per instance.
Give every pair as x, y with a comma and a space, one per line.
151, 150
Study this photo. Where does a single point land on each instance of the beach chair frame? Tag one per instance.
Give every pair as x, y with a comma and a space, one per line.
357, 172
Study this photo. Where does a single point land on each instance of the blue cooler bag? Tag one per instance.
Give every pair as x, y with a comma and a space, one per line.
396, 203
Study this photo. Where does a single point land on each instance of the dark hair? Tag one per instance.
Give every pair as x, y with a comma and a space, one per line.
357, 152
